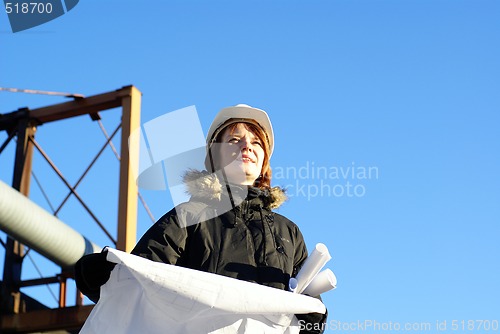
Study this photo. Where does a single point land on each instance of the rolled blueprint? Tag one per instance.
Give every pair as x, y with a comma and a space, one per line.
312, 266
323, 282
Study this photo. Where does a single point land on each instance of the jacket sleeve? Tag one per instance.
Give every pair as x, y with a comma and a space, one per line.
311, 323
165, 241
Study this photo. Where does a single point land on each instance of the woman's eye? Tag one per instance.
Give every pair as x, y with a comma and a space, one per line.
257, 143
233, 140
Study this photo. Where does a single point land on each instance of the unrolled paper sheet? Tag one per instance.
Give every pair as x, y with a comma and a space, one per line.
142, 296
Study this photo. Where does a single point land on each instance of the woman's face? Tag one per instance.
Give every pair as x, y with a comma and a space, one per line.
241, 154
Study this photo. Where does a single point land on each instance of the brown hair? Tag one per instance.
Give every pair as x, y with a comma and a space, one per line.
264, 180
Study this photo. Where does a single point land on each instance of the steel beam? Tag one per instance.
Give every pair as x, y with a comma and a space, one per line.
14, 250
78, 107
67, 318
129, 163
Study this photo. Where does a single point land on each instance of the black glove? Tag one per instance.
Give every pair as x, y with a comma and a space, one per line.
312, 323
91, 272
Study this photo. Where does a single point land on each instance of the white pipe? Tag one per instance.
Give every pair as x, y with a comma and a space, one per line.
30, 224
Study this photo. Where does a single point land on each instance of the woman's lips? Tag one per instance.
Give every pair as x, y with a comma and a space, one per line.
246, 158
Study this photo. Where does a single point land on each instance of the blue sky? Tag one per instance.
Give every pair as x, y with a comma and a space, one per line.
407, 88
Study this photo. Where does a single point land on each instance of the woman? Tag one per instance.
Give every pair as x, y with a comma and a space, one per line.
228, 226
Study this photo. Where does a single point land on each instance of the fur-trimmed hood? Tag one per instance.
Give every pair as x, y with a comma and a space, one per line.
204, 185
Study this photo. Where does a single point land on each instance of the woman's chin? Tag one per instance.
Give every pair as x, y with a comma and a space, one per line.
240, 176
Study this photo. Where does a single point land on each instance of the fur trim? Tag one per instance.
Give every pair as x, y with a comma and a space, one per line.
203, 184
278, 197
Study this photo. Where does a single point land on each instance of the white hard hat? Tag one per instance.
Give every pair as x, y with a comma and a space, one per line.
242, 113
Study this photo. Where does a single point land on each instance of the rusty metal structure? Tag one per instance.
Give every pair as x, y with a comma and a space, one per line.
20, 313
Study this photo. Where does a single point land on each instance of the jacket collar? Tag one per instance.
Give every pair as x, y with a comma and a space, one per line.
206, 186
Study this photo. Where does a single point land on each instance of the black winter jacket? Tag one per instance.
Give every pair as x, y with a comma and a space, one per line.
231, 232
247, 241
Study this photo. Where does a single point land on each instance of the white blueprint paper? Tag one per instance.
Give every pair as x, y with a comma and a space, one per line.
323, 282
142, 296
312, 266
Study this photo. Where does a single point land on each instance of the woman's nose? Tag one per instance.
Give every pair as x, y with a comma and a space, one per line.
246, 144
